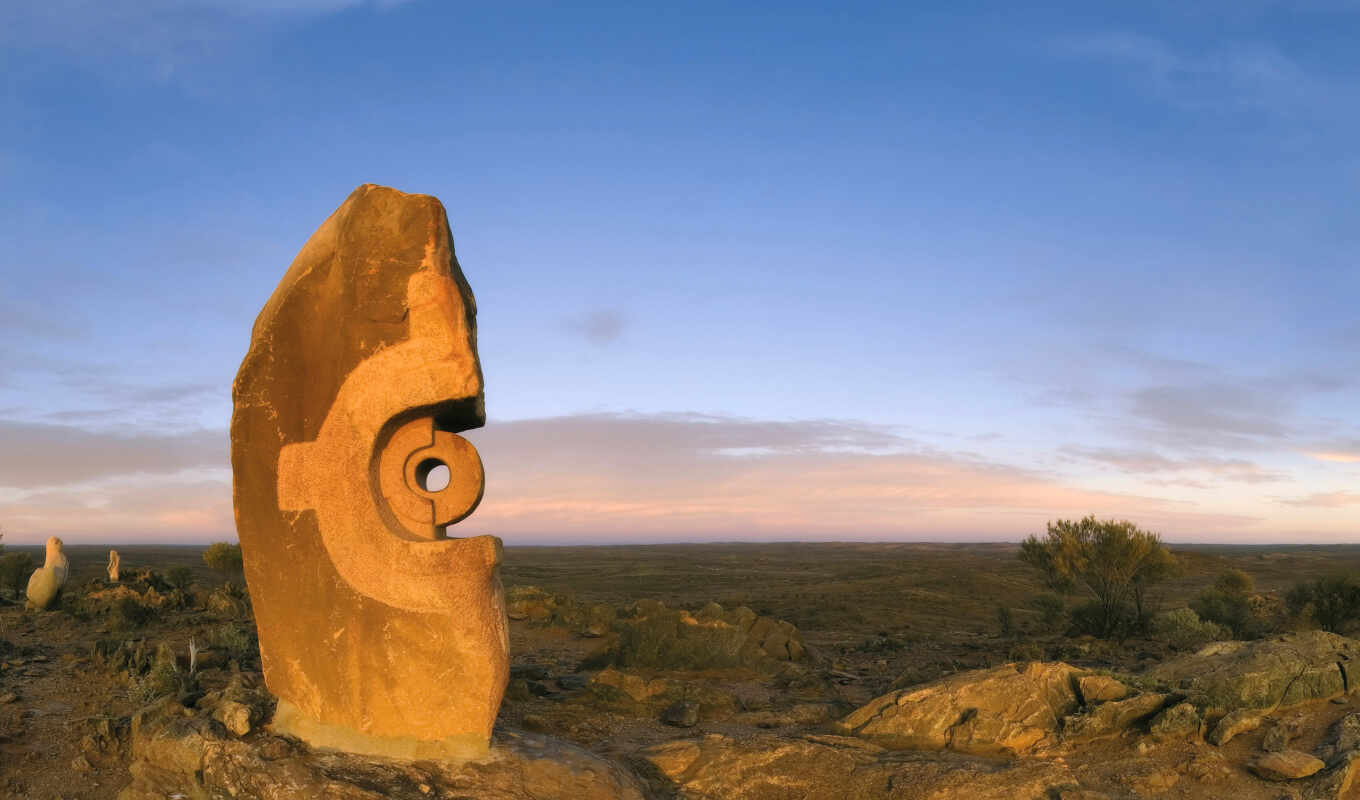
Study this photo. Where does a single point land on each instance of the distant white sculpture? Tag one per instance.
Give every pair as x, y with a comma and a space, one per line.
113, 566
46, 582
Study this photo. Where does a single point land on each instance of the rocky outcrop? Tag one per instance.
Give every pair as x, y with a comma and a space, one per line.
180, 752
1264, 674
766, 767
1113, 718
1004, 710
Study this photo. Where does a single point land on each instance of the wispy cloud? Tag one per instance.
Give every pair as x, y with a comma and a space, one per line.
1145, 462
41, 455
600, 327
1324, 500
1238, 76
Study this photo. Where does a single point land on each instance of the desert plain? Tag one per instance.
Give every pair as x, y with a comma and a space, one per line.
696, 717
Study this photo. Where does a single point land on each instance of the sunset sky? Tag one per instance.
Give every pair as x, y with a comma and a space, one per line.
799, 271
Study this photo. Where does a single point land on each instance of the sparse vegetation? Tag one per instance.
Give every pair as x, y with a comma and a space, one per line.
180, 577
1228, 603
1184, 630
224, 557
1114, 562
1332, 602
14, 571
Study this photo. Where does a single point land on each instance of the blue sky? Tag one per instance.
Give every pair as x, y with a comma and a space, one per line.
762, 271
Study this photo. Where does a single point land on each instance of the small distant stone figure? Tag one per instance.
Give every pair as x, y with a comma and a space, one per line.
379, 634
46, 582
113, 566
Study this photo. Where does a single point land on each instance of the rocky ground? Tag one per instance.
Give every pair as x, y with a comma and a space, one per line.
669, 694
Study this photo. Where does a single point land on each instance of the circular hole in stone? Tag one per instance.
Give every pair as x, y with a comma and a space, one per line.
433, 475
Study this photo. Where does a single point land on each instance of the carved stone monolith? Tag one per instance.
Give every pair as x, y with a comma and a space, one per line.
46, 581
378, 633
113, 566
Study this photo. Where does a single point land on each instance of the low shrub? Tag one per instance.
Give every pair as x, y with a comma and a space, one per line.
1182, 629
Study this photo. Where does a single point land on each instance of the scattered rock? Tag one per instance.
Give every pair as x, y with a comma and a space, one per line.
1178, 722
1007, 709
8, 697
1278, 735
681, 714
572, 683
1342, 737
1100, 688
1285, 766
635, 686
1233, 724
650, 635
234, 716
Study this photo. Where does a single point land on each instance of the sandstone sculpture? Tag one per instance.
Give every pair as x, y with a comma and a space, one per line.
45, 583
113, 566
378, 633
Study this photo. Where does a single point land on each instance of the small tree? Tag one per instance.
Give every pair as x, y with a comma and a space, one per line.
1115, 562
1228, 603
223, 557
1331, 601
14, 571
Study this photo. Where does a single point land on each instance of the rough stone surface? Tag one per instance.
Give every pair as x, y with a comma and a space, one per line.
1100, 689
681, 714
1178, 722
1342, 737
1004, 710
839, 768
180, 754
1233, 724
113, 565
46, 581
376, 633
1286, 765
1263, 674
1114, 717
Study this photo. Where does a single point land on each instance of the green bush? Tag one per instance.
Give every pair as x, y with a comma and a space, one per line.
129, 613
232, 639
180, 577
1050, 608
162, 679
1332, 602
1182, 629
223, 557
14, 571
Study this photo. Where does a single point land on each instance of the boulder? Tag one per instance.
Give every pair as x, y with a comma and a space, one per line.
1265, 674
1181, 721
1100, 689
1114, 717
765, 767
45, 583
1342, 737
1232, 724
635, 686
1003, 710
1287, 765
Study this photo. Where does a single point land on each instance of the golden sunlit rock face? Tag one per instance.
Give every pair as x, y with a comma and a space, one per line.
378, 633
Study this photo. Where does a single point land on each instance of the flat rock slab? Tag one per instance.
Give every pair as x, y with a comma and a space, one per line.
837, 767
1287, 765
1003, 710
